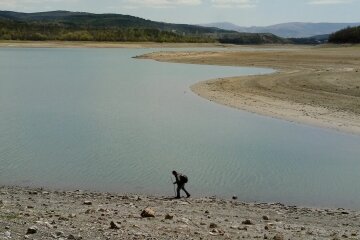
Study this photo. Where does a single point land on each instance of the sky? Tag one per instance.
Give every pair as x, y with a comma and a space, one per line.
240, 12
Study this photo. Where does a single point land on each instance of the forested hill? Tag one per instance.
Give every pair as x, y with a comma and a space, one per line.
80, 26
347, 35
91, 20
63, 25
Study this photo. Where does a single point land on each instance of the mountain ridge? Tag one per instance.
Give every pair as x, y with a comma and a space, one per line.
287, 30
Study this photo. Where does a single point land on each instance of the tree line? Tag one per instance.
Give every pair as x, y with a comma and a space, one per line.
347, 35
251, 38
37, 31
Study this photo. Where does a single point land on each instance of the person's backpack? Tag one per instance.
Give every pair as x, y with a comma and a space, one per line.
183, 178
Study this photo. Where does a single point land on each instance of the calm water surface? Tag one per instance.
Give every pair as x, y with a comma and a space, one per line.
97, 119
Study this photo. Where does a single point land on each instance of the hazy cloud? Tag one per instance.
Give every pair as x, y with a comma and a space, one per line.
326, 2
29, 3
234, 3
160, 3
7, 3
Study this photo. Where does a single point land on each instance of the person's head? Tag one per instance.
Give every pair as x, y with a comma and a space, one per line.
174, 173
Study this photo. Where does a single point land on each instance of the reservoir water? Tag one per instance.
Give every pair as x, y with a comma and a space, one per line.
98, 119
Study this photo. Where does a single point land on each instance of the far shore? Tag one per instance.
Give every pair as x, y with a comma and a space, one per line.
92, 44
319, 86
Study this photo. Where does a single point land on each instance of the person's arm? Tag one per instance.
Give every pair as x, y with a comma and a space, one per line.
176, 179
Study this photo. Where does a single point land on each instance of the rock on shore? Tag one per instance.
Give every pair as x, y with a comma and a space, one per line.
39, 214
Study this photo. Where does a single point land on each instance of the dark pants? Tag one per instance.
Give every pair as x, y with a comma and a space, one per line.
179, 187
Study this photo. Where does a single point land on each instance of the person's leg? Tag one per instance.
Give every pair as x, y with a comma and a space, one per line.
187, 193
179, 186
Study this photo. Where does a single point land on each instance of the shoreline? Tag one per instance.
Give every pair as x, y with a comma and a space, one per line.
89, 44
88, 215
318, 86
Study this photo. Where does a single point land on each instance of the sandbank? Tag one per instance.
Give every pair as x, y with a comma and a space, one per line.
319, 86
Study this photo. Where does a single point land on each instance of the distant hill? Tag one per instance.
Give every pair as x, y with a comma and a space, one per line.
347, 35
82, 26
287, 30
91, 20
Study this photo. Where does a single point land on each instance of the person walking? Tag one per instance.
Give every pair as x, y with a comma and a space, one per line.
181, 179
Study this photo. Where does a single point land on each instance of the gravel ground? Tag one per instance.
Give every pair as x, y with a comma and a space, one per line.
27, 213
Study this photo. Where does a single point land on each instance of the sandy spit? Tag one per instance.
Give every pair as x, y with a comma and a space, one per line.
319, 86
44, 214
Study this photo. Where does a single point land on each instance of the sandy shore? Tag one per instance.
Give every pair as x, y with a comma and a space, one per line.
313, 85
43, 214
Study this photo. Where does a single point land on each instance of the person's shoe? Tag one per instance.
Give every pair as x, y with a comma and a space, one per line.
188, 196
177, 197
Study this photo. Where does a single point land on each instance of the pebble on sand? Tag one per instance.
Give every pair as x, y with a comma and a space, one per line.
148, 212
114, 225
278, 237
169, 216
213, 225
247, 222
32, 230
87, 203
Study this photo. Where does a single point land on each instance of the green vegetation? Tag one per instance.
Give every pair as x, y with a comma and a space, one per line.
319, 39
347, 35
11, 30
251, 38
72, 26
